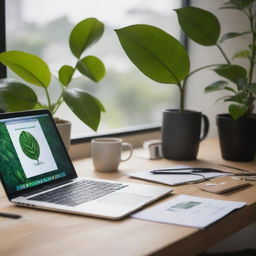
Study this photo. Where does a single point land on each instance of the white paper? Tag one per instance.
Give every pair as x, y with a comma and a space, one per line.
189, 211
46, 160
175, 179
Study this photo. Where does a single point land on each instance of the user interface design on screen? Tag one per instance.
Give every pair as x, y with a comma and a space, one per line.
31, 152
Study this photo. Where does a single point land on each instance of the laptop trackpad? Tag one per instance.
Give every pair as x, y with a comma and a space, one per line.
124, 199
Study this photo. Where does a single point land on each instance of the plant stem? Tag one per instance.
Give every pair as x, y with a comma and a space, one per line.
48, 99
252, 63
223, 53
58, 103
198, 69
182, 99
184, 85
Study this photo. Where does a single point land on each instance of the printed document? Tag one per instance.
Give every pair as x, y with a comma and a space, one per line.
189, 211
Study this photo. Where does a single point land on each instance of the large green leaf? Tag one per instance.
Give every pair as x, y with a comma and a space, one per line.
84, 106
200, 25
232, 72
155, 53
91, 67
15, 96
237, 111
84, 34
65, 74
29, 145
28, 66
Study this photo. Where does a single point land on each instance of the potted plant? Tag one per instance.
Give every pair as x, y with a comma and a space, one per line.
17, 96
164, 59
237, 128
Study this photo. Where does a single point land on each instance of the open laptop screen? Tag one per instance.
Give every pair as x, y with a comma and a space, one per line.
31, 152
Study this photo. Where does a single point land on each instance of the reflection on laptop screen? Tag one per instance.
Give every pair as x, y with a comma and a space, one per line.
31, 152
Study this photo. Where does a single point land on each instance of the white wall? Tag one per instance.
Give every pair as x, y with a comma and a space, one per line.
231, 21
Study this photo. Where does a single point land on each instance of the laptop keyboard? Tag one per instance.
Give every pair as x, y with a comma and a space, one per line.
78, 192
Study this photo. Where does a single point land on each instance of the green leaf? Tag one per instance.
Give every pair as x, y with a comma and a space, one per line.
100, 105
91, 67
240, 97
84, 106
200, 25
15, 96
28, 66
232, 35
216, 86
65, 74
252, 47
29, 145
241, 4
242, 54
237, 111
84, 34
252, 88
232, 72
155, 53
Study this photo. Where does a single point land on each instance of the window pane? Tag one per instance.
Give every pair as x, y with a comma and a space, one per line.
131, 99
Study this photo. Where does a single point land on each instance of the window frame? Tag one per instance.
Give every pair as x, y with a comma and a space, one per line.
85, 139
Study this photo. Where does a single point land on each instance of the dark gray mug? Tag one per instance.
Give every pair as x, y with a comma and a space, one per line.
181, 133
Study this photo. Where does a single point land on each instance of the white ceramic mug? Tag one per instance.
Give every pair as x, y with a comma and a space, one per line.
106, 153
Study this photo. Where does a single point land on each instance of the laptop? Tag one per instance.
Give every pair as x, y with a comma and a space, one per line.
36, 171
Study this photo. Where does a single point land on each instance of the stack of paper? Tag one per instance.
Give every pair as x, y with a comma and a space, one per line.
189, 211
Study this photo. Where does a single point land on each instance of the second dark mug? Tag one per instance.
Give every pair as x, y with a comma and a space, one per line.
181, 133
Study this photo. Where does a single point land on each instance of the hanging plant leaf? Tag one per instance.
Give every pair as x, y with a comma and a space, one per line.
15, 96
237, 111
65, 74
232, 35
155, 53
232, 72
218, 85
241, 4
29, 145
84, 34
242, 54
28, 66
84, 106
92, 67
200, 25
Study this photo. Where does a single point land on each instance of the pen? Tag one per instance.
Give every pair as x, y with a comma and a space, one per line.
194, 172
170, 172
10, 215
189, 170
235, 168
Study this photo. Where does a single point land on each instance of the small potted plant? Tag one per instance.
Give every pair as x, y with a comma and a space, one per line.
164, 59
237, 128
17, 96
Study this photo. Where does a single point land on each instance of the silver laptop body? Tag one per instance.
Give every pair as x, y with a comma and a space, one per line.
36, 171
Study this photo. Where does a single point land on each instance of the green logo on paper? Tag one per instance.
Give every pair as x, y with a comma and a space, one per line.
29, 145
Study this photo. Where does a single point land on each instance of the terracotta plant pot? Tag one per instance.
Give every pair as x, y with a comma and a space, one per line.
237, 138
64, 128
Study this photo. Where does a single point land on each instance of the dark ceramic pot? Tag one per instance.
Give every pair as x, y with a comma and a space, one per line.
237, 138
181, 133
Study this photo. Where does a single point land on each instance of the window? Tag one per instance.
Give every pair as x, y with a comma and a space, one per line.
42, 27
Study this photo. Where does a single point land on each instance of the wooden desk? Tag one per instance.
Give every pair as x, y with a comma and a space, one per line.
49, 233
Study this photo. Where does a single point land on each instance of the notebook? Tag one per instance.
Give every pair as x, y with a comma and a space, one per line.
36, 171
